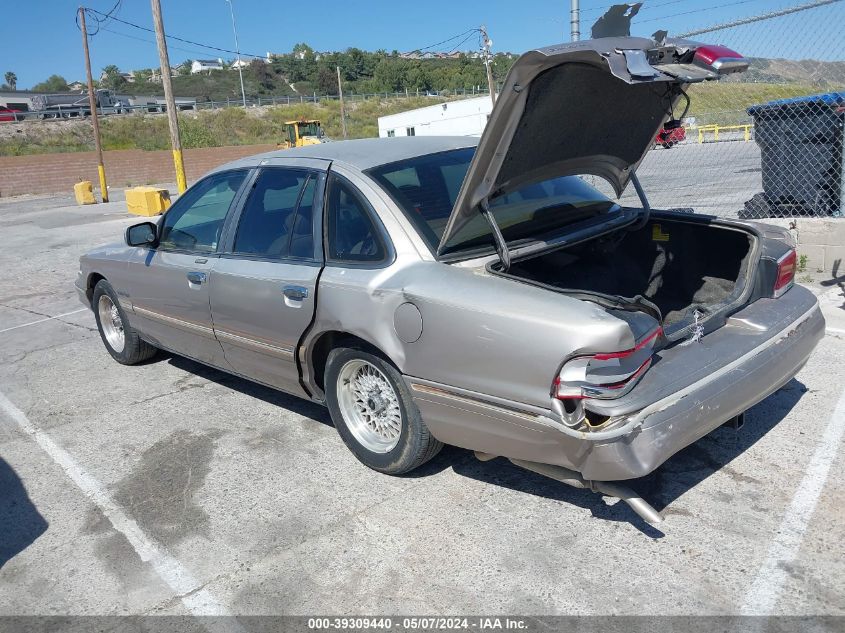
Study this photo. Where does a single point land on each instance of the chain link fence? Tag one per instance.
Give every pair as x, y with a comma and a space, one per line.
767, 142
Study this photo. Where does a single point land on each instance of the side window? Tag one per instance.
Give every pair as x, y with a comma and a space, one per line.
196, 220
352, 236
274, 222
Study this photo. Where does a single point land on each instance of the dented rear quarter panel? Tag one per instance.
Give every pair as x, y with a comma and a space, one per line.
480, 332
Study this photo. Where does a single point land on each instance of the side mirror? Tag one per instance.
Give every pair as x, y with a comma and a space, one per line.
143, 234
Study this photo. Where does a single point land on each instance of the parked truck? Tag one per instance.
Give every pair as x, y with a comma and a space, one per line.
66, 105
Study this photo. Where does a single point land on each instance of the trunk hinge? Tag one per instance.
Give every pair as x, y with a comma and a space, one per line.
501, 244
643, 200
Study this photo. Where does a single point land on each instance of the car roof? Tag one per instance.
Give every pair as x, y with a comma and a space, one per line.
363, 153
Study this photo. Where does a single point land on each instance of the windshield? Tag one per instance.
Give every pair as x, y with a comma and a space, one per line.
426, 188
309, 129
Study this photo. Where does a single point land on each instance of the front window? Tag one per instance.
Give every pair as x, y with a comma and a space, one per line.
426, 188
195, 221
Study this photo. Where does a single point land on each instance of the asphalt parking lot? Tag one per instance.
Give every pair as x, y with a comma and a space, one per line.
171, 488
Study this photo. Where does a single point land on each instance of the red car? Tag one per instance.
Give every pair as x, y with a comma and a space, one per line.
667, 137
8, 114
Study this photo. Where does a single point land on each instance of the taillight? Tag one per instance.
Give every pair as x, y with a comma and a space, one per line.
720, 58
786, 273
605, 375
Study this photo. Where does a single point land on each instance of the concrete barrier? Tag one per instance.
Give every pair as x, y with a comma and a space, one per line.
821, 240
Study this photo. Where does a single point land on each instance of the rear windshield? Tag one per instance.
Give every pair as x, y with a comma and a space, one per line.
426, 188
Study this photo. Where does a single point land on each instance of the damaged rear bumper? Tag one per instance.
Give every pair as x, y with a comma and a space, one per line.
690, 391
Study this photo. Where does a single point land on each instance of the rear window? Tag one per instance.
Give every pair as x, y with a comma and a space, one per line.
426, 188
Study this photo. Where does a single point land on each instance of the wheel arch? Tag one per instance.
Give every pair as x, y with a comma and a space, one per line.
318, 350
93, 279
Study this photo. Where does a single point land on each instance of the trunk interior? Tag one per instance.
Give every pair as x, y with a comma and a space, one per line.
681, 267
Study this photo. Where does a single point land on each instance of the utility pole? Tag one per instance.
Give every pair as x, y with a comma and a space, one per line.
92, 103
342, 110
575, 21
166, 82
488, 62
238, 51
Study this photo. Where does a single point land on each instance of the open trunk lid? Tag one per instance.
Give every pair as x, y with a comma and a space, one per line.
589, 107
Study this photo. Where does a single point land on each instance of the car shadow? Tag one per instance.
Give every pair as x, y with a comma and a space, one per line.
676, 476
20, 521
269, 395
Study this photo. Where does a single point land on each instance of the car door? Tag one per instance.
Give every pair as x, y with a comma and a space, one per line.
263, 288
168, 285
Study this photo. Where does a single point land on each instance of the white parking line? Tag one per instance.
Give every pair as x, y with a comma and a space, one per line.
58, 316
197, 600
762, 596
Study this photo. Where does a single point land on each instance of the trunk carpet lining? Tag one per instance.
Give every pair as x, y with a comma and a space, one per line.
677, 266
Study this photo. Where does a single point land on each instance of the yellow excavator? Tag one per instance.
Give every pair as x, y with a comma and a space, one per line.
301, 133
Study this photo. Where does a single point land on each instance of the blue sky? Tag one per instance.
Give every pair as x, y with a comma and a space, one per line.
40, 37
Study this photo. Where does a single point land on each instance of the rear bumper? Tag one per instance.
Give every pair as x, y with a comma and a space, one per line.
776, 339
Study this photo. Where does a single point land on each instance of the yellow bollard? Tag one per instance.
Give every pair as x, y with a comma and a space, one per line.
147, 201
84, 192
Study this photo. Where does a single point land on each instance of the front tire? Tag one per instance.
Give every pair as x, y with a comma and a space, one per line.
120, 338
374, 413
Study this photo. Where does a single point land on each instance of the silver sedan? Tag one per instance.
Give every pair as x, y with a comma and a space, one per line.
484, 295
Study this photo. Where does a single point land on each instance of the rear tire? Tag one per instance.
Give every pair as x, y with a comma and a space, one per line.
120, 338
374, 413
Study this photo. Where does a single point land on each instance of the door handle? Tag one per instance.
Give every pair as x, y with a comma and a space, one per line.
196, 278
297, 293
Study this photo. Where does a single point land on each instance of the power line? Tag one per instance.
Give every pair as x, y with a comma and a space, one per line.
674, 15
97, 20
758, 18
461, 43
173, 37
143, 39
645, 6
454, 37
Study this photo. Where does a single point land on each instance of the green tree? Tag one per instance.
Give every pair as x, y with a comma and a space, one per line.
417, 77
113, 79
263, 75
302, 50
390, 75
326, 81
12, 80
145, 74
54, 83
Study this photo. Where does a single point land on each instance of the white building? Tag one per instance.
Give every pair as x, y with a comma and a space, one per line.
455, 118
206, 65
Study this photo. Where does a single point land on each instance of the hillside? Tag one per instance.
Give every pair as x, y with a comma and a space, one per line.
207, 128
380, 72
821, 75
307, 72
